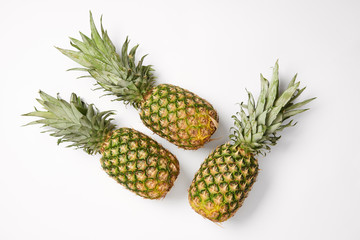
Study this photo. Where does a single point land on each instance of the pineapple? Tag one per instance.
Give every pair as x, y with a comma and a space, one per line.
173, 113
130, 157
226, 176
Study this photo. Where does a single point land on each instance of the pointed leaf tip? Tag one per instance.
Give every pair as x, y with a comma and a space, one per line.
91, 16
277, 63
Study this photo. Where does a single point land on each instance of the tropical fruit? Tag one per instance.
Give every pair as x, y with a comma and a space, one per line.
225, 178
176, 114
130, 157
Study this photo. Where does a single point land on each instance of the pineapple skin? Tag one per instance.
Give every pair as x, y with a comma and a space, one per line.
179, 116
139, 163
222, 183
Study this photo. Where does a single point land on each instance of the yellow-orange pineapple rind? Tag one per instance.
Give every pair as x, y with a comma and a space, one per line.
179, 116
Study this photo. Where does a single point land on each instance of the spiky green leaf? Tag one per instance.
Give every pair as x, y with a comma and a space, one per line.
118, 75
82, 125
256, 130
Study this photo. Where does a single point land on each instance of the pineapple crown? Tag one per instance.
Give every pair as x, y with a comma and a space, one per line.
76, 122
118, 75
256, 132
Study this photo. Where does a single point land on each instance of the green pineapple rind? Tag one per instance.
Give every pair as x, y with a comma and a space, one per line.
256, 131
222, 183
118, 75
76, 122
139, 163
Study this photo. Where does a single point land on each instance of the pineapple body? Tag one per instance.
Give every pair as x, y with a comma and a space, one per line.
223, 182
228, 173
179, 116
139, 163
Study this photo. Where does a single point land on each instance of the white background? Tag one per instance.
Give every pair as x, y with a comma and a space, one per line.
309, 184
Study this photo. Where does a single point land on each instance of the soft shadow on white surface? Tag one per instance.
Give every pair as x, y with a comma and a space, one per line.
308, 187
252, 202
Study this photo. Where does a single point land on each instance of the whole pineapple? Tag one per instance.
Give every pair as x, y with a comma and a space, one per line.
130, 157
226, 176
173, 113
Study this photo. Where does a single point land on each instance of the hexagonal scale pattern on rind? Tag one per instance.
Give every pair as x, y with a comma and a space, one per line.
222, 183
139, 163
179, 116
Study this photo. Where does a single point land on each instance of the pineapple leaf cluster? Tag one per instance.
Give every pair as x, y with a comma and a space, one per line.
118, 75
256, 131
76, 122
